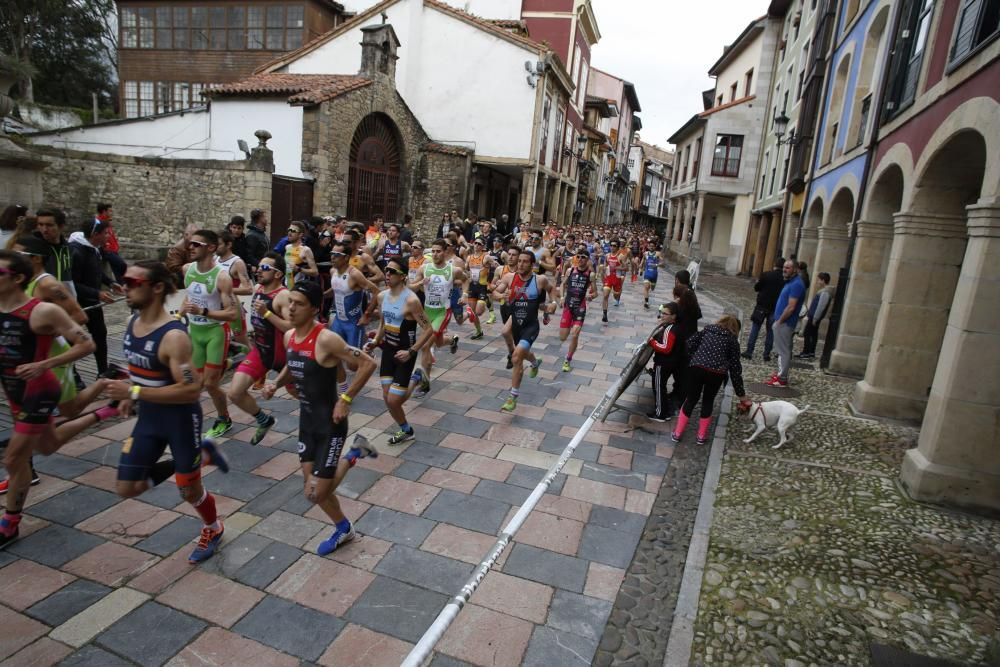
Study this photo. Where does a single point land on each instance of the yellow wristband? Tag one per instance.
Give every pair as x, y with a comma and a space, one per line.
346, 399
267, 314
133, 392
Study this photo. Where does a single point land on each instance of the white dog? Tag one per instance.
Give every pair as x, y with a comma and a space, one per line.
780, 414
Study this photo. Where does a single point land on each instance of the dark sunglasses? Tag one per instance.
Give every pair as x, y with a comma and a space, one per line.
131, 283
293, 230
25, 253
338, 254
397, 272
266, 267
196, 244
6, 272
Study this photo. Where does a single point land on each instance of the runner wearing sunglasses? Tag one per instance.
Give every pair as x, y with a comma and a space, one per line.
164, 387
397, 336
269, 318
210, 306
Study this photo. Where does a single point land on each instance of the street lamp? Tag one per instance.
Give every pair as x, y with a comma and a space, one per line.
780, 127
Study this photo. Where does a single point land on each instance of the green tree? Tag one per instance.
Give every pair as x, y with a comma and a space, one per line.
66, 49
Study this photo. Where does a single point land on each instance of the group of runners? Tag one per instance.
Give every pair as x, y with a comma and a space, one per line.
315, 324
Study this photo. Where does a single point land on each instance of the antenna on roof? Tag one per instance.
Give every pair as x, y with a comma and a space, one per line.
385, 18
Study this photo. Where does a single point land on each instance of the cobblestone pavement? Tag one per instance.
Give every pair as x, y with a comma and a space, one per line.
815, 552
97, 580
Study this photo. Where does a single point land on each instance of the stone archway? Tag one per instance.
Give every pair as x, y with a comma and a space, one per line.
871, 257
928, 249
374, 175
831, 255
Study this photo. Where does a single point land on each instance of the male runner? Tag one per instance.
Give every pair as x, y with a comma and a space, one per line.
415, 269
454, 255
497, 254
615, 278
27, 329
165, 389
526, 290
577, 288
313, 356
397, 336
72, 401
479, 264
210, 306
299, 258
242, 285
348, 316
390, 246
635, 257
509, 267
544, 261
651, 270
269, 317
439, 277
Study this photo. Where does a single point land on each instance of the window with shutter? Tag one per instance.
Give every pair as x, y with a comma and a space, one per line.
978, 23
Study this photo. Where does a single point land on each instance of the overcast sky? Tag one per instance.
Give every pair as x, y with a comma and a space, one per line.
665, 48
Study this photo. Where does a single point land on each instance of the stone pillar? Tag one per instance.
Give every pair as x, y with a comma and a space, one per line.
772, 241
924, 264
687, 223
863, 300
791, 234
696, 235
957, 459
831, 251
808, 238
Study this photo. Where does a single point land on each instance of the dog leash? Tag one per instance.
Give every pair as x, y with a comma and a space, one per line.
760, 408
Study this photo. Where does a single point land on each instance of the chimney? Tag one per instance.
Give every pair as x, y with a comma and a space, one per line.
378, 52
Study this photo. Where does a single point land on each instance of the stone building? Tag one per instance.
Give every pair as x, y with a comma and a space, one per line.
716, 171
779, 191
921, 320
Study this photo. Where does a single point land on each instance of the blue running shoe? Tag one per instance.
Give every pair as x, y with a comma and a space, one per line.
207, 544
361, 449
339, 537
211, 456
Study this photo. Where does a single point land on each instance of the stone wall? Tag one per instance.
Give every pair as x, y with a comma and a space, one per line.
20, 175
430, 181
440, 188
153, 198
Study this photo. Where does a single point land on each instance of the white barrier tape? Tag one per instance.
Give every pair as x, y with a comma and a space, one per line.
104, 303
437, 629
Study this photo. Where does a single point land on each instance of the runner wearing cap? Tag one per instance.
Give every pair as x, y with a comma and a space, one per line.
479, 264
577, 288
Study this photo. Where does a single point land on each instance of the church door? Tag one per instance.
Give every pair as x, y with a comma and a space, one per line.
373, 183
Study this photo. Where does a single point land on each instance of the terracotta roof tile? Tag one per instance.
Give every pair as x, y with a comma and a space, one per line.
300, 88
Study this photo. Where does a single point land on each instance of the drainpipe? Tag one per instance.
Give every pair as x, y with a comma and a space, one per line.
844, 275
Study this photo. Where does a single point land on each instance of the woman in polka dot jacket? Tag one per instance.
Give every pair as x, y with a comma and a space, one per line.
715, 354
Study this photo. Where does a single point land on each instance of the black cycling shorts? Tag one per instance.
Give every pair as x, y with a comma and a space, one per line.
321, 441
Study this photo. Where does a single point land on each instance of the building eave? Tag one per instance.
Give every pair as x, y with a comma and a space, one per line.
686, 128
746, 37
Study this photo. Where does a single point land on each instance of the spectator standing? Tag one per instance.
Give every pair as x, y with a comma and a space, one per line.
93, 286
819, 307
406, 233
715, 355
257, 241
178, 254
667, 356
8, 222
50, 224
111, 248
237, 227
768, 288
786, 317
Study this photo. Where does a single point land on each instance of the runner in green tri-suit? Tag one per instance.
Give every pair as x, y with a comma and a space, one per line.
210, 306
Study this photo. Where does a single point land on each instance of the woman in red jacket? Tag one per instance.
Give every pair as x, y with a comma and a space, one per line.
110, 250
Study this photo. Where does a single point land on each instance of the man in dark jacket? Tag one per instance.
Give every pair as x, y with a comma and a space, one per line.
768, 288
51, 222
237, 227
257, 241
93, 286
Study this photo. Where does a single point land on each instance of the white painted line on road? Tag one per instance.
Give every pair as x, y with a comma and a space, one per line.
437, 629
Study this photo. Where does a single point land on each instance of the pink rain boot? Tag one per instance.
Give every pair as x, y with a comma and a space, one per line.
682, 422
703, 425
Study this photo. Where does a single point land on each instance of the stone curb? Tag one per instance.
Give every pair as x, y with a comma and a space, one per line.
681, 635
